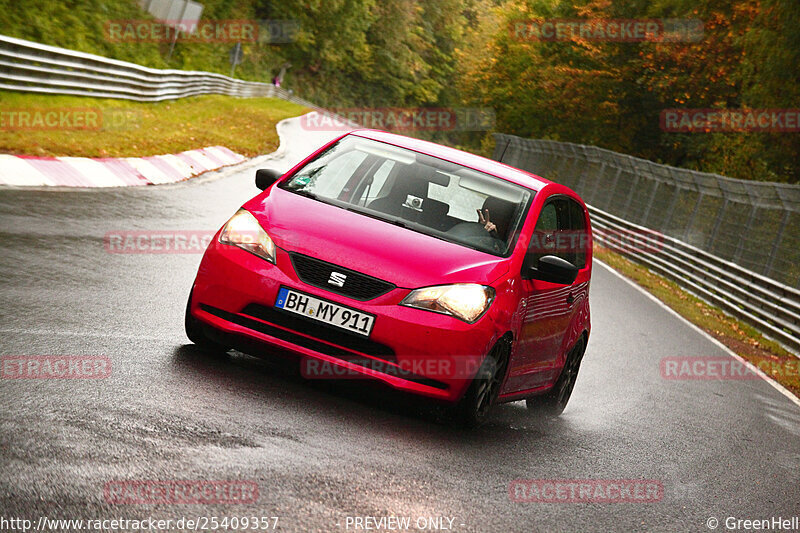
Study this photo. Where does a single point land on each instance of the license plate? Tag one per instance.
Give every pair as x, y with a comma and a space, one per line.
324, 311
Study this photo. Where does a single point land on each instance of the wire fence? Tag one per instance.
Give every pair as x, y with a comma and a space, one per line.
753, 224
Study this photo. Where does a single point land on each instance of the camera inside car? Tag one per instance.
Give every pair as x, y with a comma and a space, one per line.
413, 202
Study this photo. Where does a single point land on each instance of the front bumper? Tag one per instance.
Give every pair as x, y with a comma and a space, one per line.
410, 349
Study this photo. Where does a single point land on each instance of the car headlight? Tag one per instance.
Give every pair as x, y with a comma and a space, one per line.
466, 302
244, 231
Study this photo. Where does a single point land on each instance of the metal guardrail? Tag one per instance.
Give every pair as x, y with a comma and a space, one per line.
33, 67
769, 305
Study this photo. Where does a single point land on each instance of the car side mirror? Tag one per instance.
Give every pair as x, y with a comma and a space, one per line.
266, 177
554, 270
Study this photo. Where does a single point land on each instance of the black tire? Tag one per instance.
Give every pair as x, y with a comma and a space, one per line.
553, 402
194, 330
473, 409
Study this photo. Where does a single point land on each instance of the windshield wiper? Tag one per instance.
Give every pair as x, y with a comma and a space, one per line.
394, 221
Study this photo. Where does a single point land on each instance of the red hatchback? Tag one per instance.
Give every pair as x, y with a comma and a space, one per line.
438, 272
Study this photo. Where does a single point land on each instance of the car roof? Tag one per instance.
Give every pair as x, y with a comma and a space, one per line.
489, 166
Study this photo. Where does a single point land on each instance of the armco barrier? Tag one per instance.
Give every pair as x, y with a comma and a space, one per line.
32, 67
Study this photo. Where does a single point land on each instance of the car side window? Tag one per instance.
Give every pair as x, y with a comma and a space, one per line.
548, 218
577, 234
560, 231
543, 240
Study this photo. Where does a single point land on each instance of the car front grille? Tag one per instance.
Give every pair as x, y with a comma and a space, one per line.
322, 331
279, 325
355, 285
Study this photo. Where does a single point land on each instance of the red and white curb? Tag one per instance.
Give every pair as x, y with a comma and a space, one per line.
113, 172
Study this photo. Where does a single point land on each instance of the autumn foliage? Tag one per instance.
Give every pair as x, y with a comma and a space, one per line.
611, 94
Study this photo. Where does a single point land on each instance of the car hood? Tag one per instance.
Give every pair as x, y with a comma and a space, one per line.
377, 248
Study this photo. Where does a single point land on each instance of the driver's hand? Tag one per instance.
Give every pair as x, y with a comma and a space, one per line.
483, 218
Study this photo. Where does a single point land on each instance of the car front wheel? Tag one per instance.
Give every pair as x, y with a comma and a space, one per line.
473, 410
553, 402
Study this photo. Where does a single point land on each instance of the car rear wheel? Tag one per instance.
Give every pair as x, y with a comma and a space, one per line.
194, 330
553, 402
473, 410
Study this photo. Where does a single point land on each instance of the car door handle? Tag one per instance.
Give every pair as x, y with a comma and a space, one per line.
570, 299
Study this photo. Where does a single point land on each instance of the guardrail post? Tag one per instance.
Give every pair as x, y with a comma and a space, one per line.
629, 200
717, 223
533, 159
690, 222
671, 210
583, 175
567, 162
657, 184
596, 185
776, 244
737, 255
562, 158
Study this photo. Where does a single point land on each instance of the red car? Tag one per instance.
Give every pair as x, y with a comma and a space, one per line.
438, 272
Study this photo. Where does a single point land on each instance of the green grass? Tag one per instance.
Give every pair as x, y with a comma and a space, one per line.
131, 129
740, 337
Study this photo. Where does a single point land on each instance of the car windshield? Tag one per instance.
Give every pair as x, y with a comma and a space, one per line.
422, 193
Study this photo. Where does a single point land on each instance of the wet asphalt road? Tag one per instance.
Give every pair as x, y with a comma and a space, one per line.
320, 452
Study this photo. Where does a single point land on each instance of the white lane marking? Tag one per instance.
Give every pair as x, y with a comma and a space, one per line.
777, 386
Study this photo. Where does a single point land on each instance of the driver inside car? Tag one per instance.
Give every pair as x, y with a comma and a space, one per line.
488, 225
496, 216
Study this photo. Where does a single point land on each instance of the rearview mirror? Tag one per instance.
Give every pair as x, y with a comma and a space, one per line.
554, 270
266, 177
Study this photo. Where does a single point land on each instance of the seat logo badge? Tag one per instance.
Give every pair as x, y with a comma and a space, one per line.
337, 279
